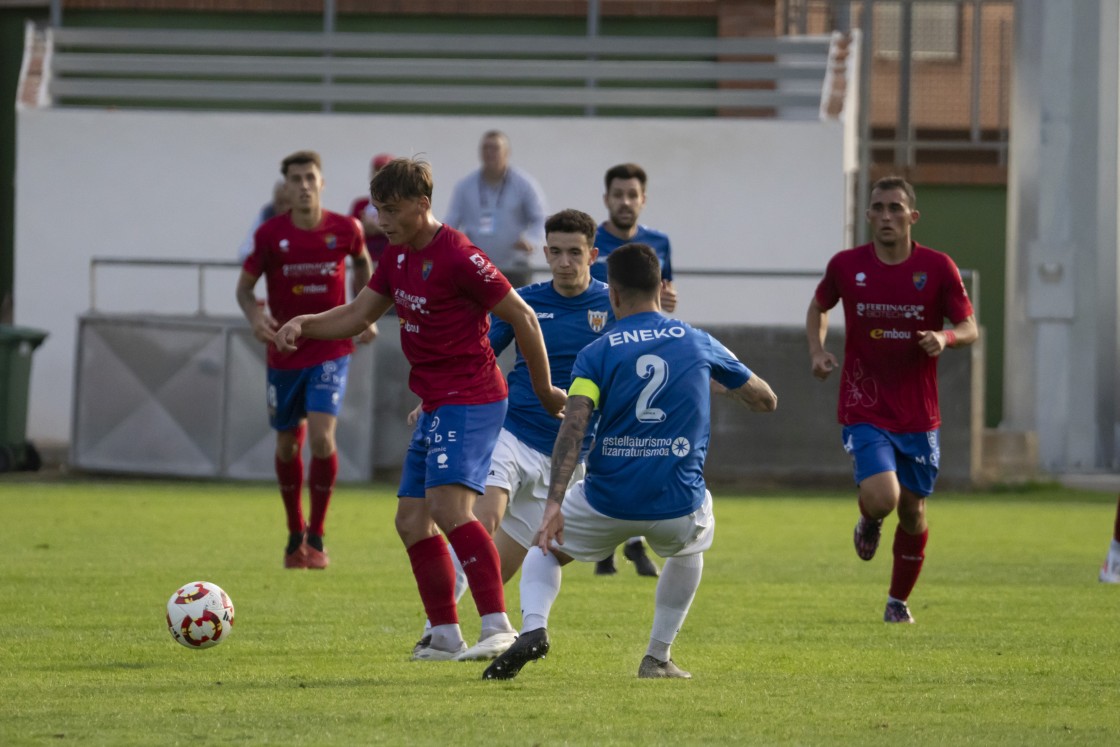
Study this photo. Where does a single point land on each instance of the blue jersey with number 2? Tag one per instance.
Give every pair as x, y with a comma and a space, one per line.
649, 378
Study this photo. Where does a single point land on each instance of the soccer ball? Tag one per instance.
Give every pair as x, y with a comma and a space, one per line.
200, 615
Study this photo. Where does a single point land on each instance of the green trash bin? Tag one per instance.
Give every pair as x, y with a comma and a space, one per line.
16, 346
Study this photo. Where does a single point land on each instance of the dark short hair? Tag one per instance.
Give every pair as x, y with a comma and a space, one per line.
301, 157
625, 171
634, 267
402, 178
897, 182
572, 221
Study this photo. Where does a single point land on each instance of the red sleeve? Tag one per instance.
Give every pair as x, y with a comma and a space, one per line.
255, 263
358, 240
379, 281
958, 306
479, 280
827, 294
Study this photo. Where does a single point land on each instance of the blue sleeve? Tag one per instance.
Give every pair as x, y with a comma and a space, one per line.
667, 265
726, 368
501, 334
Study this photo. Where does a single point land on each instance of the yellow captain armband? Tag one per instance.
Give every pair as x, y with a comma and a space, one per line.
585, 388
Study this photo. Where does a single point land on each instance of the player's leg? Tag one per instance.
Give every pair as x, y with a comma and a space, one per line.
510, 552
1110, 571
634, 550
326, 386
285, 414
918, 456
428, 554
873, 464
683, 542
462, 439
520, 473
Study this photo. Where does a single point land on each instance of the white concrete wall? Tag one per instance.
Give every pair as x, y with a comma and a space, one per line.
730, 193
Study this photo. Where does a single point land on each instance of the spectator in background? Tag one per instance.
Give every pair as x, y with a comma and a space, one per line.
501, 209
362, 209
280, 204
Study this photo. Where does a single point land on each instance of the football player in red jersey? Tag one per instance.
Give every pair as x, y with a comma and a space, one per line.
896, 296
302, 255
443, 288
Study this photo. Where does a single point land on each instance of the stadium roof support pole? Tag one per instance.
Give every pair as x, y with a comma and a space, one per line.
329, 13
56, 14
592, 32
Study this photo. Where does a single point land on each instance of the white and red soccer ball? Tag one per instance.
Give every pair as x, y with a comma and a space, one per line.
200, 615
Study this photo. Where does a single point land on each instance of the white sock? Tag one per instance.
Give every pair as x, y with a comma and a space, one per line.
1114, 548
447, 637
495, 622
540, 585
675, 591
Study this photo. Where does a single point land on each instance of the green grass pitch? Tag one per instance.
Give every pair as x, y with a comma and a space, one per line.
1016, 642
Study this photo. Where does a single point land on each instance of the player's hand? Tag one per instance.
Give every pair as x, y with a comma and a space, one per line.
934, 343
368, 335
554, 401
523, 245
824, 363
552, 527
264, 328
668, 296
414, 415
285, 338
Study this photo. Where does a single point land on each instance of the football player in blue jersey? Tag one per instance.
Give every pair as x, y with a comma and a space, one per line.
625, 197
650, 378
573, 310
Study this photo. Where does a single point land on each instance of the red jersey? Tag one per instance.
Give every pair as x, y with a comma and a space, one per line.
375, 242
443, 295
887, 380
305, 272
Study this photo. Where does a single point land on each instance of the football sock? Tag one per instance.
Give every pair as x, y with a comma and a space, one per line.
431, 565
321, 484
482, 567
460, 577
289, 475
540, 585
680, 578
1116, 526
446, 637
909, 553
315, 540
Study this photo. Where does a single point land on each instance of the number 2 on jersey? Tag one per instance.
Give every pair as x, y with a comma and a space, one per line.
656, 370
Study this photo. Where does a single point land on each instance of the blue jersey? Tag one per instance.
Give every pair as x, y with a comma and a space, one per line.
568, 324
606, 242
651, 375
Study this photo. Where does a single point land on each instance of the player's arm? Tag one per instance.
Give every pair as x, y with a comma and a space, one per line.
755, 394
343, 321
668, 296
816, 329
963, 333
527, 330
261, 322
565, 458
361, 267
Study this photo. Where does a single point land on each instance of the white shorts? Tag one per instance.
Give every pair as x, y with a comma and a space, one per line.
591, 536
524, 472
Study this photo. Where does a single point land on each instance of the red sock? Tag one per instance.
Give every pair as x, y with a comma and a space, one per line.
909, 552
480, 562
435, 578
321, 479
289, 475
1116, 528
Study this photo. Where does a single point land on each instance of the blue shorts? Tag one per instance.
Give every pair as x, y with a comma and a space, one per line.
452, 446
294, 392
915, 457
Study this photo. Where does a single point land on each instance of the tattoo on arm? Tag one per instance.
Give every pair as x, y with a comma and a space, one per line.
565, 454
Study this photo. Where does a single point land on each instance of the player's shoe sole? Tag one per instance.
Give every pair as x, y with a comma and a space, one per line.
528, 647
866, 537
652, 669
490, 647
